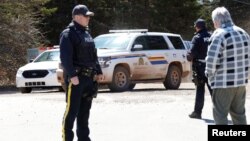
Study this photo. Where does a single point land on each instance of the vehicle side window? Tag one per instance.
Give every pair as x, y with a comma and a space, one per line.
151, 42
156, 43
177, 42
188, 44
142, 41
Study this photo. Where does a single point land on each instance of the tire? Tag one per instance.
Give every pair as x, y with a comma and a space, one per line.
63, 88
25, 90
120, 81
173, 78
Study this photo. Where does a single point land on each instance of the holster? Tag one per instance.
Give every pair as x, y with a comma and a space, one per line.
195, 78
94, 90
198, 73
89, 72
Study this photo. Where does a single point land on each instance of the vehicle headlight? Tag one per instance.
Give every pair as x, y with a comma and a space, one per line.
53, 70
19, 72
104, 61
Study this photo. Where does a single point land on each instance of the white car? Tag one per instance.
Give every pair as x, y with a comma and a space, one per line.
40, 73
128, 57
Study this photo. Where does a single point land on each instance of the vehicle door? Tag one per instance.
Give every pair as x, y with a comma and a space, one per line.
180, 53
154, 62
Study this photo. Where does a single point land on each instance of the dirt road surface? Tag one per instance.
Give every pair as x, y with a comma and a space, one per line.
149, 113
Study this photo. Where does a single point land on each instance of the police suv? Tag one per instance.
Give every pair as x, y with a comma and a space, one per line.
128, 57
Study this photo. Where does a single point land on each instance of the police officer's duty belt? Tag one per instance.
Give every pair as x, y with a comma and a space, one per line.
89, 72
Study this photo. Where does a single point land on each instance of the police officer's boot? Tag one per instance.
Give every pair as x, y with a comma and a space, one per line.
195, 115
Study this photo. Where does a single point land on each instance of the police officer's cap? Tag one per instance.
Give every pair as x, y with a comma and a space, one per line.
200, 23
82, 10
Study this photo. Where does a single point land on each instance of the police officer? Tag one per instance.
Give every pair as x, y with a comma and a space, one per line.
79, 60
197, 55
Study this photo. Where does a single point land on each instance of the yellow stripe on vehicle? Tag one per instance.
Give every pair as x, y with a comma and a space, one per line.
156, 58
67, 110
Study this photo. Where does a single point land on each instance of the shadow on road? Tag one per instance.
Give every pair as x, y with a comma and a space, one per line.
146, 90
2, 92
210, 121
13, 90
10, 89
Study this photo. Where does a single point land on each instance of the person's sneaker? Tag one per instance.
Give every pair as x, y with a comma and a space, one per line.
195, 115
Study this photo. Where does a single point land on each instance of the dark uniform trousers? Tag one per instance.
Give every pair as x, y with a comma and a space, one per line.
199, 68
78, 107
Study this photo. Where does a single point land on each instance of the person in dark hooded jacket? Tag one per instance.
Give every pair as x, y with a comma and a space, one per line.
197, 55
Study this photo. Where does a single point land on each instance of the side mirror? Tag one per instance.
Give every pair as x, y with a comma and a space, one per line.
137, 47
31, 60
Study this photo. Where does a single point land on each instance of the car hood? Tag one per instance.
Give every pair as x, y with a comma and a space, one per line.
110, 52
41, 65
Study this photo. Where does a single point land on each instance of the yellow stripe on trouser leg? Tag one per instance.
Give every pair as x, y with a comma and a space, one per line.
67, 110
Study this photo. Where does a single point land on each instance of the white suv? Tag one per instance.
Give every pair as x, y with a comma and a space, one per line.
128, 57
41, 73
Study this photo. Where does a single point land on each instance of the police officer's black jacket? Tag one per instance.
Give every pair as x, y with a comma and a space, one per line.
77, 50
200, 44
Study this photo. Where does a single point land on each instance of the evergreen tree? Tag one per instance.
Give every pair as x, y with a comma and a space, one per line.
175, 16
17, 33
240, 12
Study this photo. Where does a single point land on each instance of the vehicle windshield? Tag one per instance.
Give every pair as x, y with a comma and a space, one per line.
118, 42
48, 56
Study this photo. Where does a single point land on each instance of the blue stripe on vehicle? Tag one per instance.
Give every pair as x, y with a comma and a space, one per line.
158, 62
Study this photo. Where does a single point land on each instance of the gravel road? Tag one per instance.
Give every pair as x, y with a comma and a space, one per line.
149, 113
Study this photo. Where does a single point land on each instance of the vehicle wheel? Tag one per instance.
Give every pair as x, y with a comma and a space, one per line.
25, 90
120, 81
131, 87
173, 78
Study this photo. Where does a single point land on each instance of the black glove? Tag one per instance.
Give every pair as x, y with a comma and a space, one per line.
189, 56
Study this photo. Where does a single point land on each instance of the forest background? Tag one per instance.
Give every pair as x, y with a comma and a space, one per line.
33, 23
